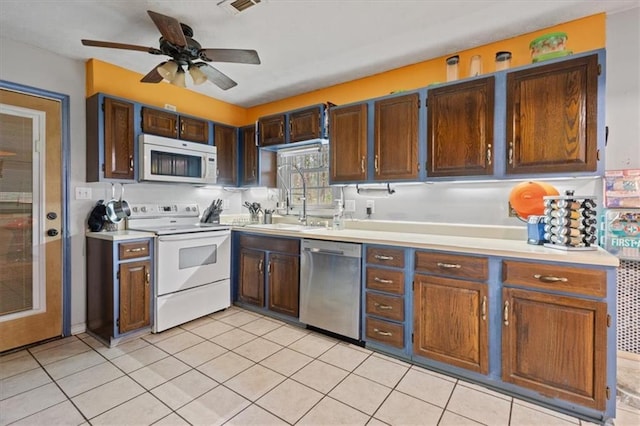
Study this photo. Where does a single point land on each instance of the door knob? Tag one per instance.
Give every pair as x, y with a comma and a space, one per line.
52, 232
52, 216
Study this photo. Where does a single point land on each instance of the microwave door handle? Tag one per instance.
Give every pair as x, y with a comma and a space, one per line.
205, 168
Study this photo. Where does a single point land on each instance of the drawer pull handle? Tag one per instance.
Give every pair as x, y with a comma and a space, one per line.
448, 265
489, 155
484, 308
131, 162
148, 278
383, 257
506, 313
136, 250
383, 281
550, 278
260, 265
383, 307
362, 170
382, 333
375, 164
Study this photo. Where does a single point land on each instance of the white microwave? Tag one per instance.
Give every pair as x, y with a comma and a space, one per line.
172, 160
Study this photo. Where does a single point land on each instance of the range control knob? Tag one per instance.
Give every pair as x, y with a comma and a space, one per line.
143, 209
135, 209
188, 208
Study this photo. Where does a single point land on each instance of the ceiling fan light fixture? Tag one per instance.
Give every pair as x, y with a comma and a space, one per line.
196, 74
179, 79
168, 70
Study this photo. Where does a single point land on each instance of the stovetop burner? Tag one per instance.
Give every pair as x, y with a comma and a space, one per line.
167, 219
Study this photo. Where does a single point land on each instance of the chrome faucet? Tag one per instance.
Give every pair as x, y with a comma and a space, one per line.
303, 212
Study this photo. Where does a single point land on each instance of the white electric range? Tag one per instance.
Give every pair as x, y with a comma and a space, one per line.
192, 262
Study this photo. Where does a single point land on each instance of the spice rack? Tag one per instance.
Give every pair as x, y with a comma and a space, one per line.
570, 222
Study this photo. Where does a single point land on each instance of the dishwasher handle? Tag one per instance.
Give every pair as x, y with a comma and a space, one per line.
324, 251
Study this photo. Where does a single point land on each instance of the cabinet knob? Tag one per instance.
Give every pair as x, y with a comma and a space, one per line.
52, 232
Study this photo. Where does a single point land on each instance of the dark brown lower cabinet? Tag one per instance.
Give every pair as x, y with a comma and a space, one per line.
451, 322
135, 295
284, 273
269, 273
252, 276
555, 345
119, 287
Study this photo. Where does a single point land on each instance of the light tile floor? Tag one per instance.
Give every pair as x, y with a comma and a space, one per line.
239, 368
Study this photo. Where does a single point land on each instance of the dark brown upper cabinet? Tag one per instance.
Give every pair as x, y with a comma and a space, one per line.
395, 144
304, 125
552, 117
271, 130
460, 129
119, 140
161, 123
194, 130
249, 156
226, 140
348, 143
171, 125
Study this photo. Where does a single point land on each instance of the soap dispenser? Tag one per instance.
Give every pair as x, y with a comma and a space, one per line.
338, 220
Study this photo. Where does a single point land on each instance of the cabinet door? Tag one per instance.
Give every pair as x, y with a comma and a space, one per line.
348, 140
396, 138
451, 322
118, 139
226, 141
271, 130
284, 283
460, 129
250, 156
194, 130
160, 123
251, 276
135, 295
555, 345
304, 125
551, 117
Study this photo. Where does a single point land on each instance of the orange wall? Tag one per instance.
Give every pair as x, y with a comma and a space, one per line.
583, 35
103, 77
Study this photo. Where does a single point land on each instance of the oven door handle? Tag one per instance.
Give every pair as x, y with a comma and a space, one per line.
194, 236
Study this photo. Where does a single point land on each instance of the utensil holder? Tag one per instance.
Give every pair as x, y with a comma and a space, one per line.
254, 218
268, 218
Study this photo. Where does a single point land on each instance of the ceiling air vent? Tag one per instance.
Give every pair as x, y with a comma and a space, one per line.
236, 6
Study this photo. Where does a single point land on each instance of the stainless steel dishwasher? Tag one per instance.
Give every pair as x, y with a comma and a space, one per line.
330, 286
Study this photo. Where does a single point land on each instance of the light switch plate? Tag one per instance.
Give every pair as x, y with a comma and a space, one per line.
350, 206
83, 193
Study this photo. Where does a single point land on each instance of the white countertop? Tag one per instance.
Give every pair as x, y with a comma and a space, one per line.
120, 235
513, 248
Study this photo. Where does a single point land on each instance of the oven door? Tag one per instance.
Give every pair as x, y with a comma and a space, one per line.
185, 261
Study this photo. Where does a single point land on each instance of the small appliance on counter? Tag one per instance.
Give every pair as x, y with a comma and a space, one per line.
570, 222
97, 217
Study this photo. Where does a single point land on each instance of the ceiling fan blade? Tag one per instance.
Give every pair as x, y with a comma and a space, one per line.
230, 55
112, 45
153, 76
216, 77
169, 28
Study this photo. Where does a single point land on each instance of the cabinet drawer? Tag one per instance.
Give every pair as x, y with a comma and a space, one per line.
133, 250
390, 307
475, 268
389, 280
384, 256
385, 332
283, 245
590, 282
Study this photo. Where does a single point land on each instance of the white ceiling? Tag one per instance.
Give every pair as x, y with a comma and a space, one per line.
303, 44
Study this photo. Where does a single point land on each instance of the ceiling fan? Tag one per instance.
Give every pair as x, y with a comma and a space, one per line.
184, 51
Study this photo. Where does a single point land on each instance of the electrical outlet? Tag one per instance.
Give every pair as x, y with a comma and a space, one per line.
83, 193
350, 206
371, 205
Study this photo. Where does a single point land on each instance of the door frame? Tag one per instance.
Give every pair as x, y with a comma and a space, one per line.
65, 127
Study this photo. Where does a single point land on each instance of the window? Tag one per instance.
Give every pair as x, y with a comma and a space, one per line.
313, 164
